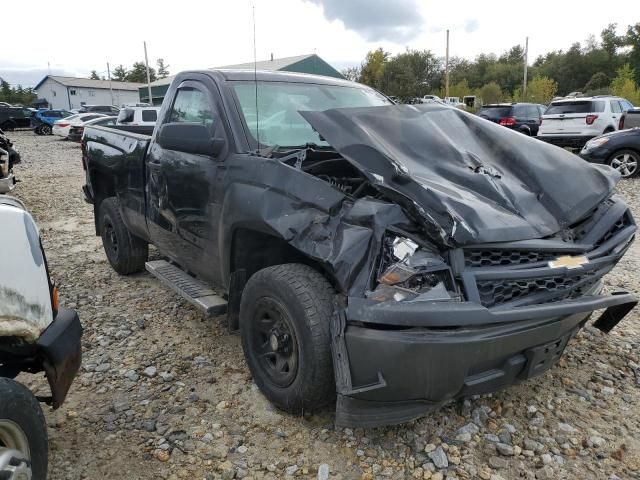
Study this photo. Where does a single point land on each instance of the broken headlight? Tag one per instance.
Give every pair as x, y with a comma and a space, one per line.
408, 271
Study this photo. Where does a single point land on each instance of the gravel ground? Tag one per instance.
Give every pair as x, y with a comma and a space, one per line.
165, 393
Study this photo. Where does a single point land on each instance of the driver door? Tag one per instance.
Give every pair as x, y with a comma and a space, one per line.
183, 189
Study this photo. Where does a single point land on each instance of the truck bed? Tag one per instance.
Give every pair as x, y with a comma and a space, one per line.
117, 153
632, 118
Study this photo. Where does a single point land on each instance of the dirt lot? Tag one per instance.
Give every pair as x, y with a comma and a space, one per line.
165, 393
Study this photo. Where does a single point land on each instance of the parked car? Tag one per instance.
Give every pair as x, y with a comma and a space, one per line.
106, 109
63, 126
571, 122
44, 119
138, 116
630, 119
14, 117
5, 104
36, 335
8, 158
521, 117
397, 256
620, 150
76, 131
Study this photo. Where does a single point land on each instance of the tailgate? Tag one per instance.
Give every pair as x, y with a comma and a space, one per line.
563, 123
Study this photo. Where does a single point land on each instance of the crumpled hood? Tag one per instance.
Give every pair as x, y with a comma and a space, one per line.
466, 179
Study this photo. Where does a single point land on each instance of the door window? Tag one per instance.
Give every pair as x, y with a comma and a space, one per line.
615, 106
191, 106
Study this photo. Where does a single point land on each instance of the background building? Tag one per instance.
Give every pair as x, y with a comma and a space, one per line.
72, 92
311, 63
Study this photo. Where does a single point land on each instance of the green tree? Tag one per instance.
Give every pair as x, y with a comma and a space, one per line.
597, 81
541, 90
163, 69
119, 73
94, 75
138, 73
632, 39
351, 73
373, 69
491, 93
410, 74
624, 85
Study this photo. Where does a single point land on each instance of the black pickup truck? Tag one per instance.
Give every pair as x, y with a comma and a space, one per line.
388, 257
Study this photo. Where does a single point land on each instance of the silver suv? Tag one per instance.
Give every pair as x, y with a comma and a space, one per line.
571, 122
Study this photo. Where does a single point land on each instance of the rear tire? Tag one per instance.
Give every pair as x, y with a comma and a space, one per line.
8, 126
23, 429
626, 162
126, 253
285, 316
45, 129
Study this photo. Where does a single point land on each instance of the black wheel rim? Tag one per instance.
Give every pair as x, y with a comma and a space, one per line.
46, 129
111, 239
274, 342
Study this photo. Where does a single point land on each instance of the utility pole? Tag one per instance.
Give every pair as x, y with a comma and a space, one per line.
146, 61
526, 60
109, 77
446, 69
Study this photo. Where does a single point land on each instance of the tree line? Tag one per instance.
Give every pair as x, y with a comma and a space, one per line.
16, 95
608, 64
137, 73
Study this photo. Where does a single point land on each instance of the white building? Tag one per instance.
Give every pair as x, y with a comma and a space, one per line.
71, 92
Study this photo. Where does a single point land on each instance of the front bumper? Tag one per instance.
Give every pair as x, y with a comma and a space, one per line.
568, 141
60, 348
393, 375
595, 155
7, 183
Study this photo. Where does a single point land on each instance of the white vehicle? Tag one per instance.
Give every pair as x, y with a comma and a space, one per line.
571, 122
145, 116
139, 104
36, 335
432, 97
61, 127
454, 102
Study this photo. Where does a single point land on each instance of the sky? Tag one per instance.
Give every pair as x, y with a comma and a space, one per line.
208, 33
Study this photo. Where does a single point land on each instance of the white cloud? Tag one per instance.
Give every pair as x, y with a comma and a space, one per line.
196, 34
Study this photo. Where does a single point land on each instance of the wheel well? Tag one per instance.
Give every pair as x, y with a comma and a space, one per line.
251, 251
615, 152
609, 129
103, 188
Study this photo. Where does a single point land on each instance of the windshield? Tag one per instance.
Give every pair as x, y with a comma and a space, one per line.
575, 107
495, 112
279, 103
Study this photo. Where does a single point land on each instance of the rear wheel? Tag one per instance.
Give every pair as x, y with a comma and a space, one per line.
24, 447
626, 162
8, 126
45, 129
285, 315
126, 252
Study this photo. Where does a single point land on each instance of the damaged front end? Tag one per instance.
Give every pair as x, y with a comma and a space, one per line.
480, 279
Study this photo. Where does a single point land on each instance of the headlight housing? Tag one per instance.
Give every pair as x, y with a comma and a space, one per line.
596, 142
408, 271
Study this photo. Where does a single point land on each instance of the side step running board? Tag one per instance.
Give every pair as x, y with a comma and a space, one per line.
188, 287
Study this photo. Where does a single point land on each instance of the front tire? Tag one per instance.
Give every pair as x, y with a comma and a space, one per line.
285, 315
126, 253
24, 446
626, 162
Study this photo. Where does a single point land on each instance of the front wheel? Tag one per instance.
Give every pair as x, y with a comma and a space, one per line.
126, 252
24, 447
285, 316
626, 162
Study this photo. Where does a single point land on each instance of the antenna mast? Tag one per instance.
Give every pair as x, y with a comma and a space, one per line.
255, 77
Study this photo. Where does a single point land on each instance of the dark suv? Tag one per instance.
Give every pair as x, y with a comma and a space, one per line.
523, 117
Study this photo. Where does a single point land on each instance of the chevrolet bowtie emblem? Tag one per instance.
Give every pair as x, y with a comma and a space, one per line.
569, 262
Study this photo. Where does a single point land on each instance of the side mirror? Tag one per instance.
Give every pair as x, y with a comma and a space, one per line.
189, 138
